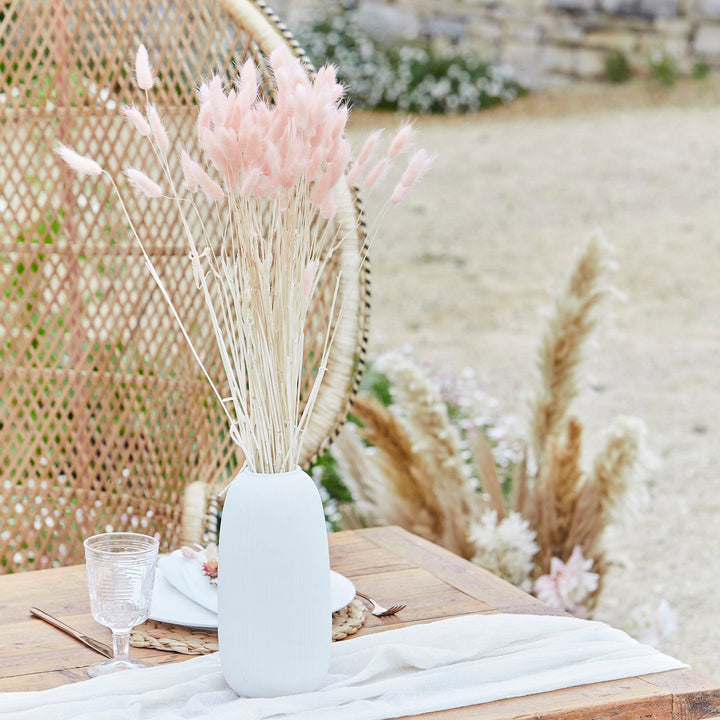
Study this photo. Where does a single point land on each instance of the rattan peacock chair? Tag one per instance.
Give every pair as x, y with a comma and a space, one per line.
105, 419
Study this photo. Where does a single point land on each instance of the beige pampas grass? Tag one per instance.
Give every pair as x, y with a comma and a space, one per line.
556, 495
616, 470
361, 476
619, 462
420, 477
437, 440
573, 319
411, 500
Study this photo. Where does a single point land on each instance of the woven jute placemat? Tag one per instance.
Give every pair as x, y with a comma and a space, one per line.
175, 638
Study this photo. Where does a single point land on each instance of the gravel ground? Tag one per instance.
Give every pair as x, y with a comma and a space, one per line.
463, 270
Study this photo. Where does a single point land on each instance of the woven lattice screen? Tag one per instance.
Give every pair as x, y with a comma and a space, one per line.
104, 416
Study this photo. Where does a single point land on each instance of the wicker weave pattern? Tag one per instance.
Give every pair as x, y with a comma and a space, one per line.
104, 417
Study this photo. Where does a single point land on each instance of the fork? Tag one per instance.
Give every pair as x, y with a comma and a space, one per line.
380, 611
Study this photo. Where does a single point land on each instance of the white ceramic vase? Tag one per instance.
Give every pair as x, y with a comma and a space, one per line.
274, 606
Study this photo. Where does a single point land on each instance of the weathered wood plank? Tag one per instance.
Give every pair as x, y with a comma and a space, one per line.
695, 696
386, 563
427, 597
619, 700
353, 555
66, 586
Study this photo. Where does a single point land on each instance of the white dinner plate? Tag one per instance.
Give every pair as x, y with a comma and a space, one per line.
171, 606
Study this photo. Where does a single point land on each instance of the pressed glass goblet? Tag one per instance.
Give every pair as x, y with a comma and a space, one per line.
121, 573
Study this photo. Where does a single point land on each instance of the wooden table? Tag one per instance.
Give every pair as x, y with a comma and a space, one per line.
386, 563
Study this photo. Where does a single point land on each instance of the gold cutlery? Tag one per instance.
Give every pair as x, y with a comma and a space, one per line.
96, 645
380, 611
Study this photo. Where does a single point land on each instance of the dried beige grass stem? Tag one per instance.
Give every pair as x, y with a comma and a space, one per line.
482, 453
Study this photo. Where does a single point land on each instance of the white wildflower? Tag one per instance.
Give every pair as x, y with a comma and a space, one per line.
506, 548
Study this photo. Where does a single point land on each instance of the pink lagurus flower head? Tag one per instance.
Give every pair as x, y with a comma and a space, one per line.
158, 129
189, 168
250, 182
417, 167
376, 172
247, 85
137, 119
568, 585
328, 206
400, 140
143, 183
143, 72
368, 147
212, 190
81, 164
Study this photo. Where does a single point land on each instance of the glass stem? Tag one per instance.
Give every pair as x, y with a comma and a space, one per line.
121, 645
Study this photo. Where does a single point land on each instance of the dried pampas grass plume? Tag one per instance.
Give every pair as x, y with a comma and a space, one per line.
620, 462
556, 495
418, 403
410, 500
572, 320
360, 475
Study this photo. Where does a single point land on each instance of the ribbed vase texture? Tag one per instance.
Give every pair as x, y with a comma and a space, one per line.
274, 606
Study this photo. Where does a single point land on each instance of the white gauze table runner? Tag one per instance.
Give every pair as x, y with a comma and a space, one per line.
440, 665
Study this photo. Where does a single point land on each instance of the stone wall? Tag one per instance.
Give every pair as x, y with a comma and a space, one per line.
551, 41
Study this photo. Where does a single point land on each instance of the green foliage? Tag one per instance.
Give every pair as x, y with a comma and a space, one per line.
617, 68
409, 78
700, 70
663, 68
377, 385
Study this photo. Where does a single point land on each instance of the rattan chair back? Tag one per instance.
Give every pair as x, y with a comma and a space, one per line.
104, 416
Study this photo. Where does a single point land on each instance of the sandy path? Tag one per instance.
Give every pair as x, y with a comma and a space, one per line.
463, 269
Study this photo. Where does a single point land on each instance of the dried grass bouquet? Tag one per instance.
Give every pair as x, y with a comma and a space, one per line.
272, 171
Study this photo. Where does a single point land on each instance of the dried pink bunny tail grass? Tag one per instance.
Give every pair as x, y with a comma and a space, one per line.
314, 164
250, 182
400, 140
81, 164
143, 183
143, 73
368, 147
366, 151
328, 206
137, 119
353, 175
158, 129
210, 188
248, 84
398, 193
375, 173
189, 167
419, 164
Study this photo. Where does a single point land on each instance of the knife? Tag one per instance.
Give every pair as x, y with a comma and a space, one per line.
96, 645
